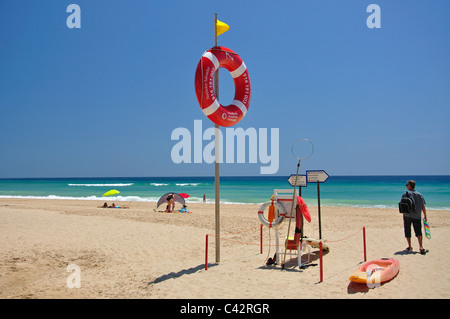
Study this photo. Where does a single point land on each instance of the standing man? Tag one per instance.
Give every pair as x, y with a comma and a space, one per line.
414, 217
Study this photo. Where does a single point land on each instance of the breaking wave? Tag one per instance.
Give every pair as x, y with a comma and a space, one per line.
101, 185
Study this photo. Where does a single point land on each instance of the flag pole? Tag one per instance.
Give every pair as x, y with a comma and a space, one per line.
217, 148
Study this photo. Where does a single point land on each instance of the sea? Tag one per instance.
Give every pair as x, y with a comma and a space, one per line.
340, 191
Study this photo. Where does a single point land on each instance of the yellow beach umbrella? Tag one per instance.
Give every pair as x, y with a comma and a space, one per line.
111, 192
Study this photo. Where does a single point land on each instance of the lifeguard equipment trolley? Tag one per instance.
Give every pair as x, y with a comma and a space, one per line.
280, 208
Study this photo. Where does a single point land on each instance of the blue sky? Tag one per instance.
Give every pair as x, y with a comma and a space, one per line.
104, 99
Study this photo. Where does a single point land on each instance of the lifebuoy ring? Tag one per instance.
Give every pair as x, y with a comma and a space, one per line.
210, 62
303, 209
278, 221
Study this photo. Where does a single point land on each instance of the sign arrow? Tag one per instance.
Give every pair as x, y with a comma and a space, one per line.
301, 180
317, 176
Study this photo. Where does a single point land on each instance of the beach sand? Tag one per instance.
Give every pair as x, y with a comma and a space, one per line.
140, 253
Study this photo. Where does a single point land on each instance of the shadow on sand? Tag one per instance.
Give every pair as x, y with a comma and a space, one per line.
292, 263
405, 252
180, 273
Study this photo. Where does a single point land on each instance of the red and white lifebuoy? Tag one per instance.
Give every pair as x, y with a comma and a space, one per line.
303, 209
211, 61
280, 216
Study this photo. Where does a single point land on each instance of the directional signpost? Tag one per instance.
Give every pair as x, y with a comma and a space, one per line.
317, 176
301, 180
297, 180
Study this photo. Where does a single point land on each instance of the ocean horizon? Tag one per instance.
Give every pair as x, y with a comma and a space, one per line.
373, 191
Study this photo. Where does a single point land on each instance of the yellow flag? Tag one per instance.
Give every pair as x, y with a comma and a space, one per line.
221, 27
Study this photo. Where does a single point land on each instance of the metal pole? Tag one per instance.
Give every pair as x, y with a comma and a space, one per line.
290, 217
215, 29
301, 232
216, 164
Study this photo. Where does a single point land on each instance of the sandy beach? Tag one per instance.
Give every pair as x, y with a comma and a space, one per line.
141, 253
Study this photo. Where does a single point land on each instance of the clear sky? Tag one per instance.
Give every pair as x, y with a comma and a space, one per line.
104, 99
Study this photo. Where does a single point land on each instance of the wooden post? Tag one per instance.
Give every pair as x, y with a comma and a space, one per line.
216, 164
261, 239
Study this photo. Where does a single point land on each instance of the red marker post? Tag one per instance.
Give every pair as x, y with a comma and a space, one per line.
321, 262
364, 243
206, 253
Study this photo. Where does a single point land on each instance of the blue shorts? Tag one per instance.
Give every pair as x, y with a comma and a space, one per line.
416, 224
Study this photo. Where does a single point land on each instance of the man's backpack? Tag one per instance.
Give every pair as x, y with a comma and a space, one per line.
406, 204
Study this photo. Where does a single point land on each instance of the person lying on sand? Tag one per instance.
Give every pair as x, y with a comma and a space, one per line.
105, 205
